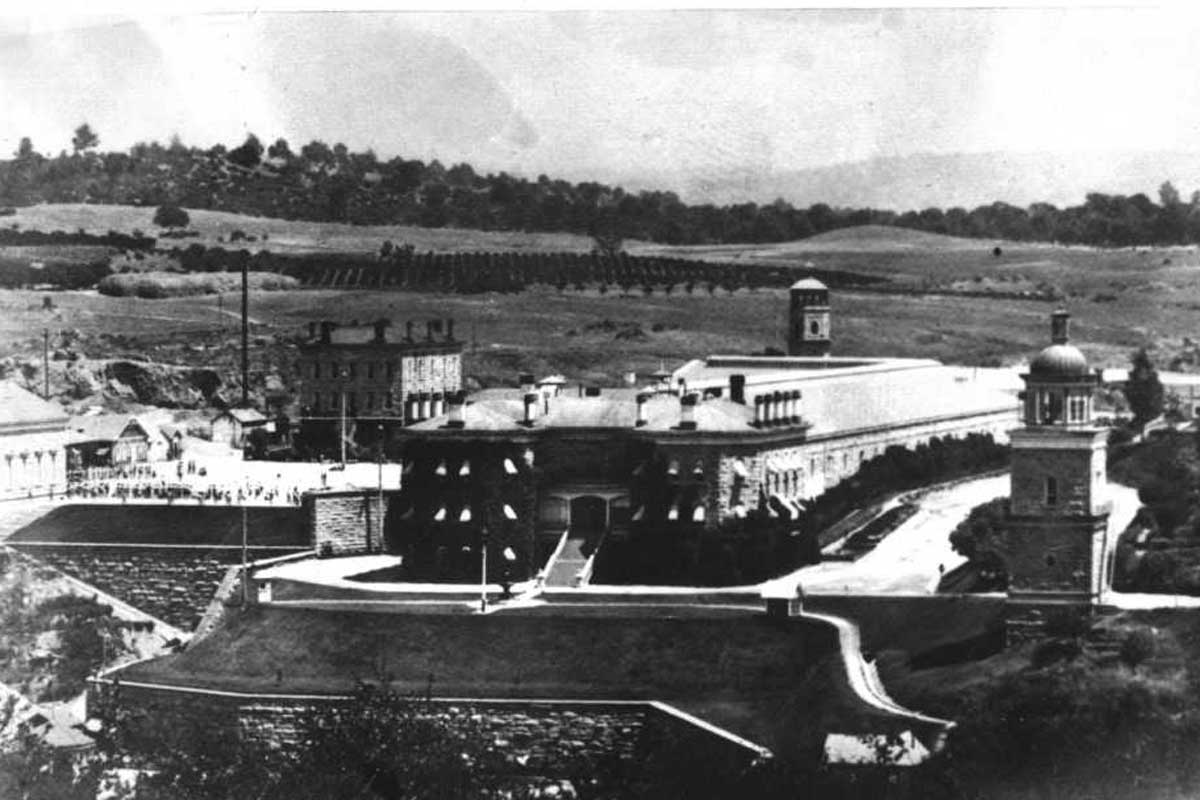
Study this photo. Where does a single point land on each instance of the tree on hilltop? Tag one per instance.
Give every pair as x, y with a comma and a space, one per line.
171, 216
249, 154
25, 149
280, 149
84, 139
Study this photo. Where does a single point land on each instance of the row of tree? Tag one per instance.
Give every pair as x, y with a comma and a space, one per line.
472, 272
324, 183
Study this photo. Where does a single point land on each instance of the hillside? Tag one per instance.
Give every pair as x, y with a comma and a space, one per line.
853, 239
320, 183
288, 236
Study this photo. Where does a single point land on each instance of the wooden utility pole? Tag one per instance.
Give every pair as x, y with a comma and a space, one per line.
379, 508
45, 363
245, 334
483, 543
245, 560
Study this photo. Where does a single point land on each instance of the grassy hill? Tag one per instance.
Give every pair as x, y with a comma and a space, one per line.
288, 236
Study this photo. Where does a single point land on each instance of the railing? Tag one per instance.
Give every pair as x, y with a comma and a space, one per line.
584, 576
539, 581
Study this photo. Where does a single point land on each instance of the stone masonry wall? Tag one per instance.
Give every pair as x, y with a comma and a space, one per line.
345, 522
1050, 555
1070, 468
533, 738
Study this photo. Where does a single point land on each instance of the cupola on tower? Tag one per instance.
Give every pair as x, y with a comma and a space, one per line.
808, 318
1058, 513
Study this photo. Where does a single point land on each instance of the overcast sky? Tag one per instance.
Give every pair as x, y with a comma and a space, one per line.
608, 94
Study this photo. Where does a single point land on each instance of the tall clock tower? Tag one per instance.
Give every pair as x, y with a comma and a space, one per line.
808, 319
1057, 526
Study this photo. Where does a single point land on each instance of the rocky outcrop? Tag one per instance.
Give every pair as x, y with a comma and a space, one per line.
162, 385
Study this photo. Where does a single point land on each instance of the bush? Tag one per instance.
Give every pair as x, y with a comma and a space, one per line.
155, 285
171, 216
1138, 647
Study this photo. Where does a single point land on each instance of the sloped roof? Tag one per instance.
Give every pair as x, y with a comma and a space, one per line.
833, 402
106, 428
809, 283
856, 401
21, 407
246, 416
504, 409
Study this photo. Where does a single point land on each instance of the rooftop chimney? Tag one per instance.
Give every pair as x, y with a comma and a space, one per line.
687, 412
1060, 326
381, 326
642, 397
449, 329
327, 331
312, 330
526, 381
737, 388
408, 331
455, 406
531, 404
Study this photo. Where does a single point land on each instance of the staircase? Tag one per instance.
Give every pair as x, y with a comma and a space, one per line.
570, 562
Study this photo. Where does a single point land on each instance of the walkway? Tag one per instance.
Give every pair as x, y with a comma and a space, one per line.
571, 560
907, 561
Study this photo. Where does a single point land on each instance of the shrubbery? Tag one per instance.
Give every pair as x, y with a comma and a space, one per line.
899, 469
171, 216
165, 284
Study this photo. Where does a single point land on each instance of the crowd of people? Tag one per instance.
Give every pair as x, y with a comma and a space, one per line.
145, 482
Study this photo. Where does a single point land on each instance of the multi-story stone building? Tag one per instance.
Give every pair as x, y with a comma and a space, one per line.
717, 440
368, 374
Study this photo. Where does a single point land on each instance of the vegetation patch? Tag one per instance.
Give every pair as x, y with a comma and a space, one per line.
1160, 552
165, 284
50, 642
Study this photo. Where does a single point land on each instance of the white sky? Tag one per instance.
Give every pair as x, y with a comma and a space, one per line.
575, 94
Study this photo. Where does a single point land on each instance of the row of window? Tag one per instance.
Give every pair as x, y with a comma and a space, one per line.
423, 367
350, 370
371, 401
1050, 407
790, 482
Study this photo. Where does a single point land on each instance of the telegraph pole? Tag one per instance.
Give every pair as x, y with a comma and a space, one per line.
379, 510
45, 363
342, 426
483, 542
245, 560
246, 335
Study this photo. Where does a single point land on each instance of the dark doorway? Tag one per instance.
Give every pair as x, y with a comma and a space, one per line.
587, 514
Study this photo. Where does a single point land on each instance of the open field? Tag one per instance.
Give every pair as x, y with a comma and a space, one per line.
287, 236
1121, 300
588, 336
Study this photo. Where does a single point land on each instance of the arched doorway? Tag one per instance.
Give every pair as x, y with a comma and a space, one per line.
589, 514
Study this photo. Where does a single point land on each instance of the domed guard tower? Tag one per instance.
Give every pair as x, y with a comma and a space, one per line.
1056, 532
808, 319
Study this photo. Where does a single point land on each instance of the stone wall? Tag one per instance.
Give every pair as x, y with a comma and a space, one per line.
1072, 470
174, 584
346, 522
531, 738
1044, 554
